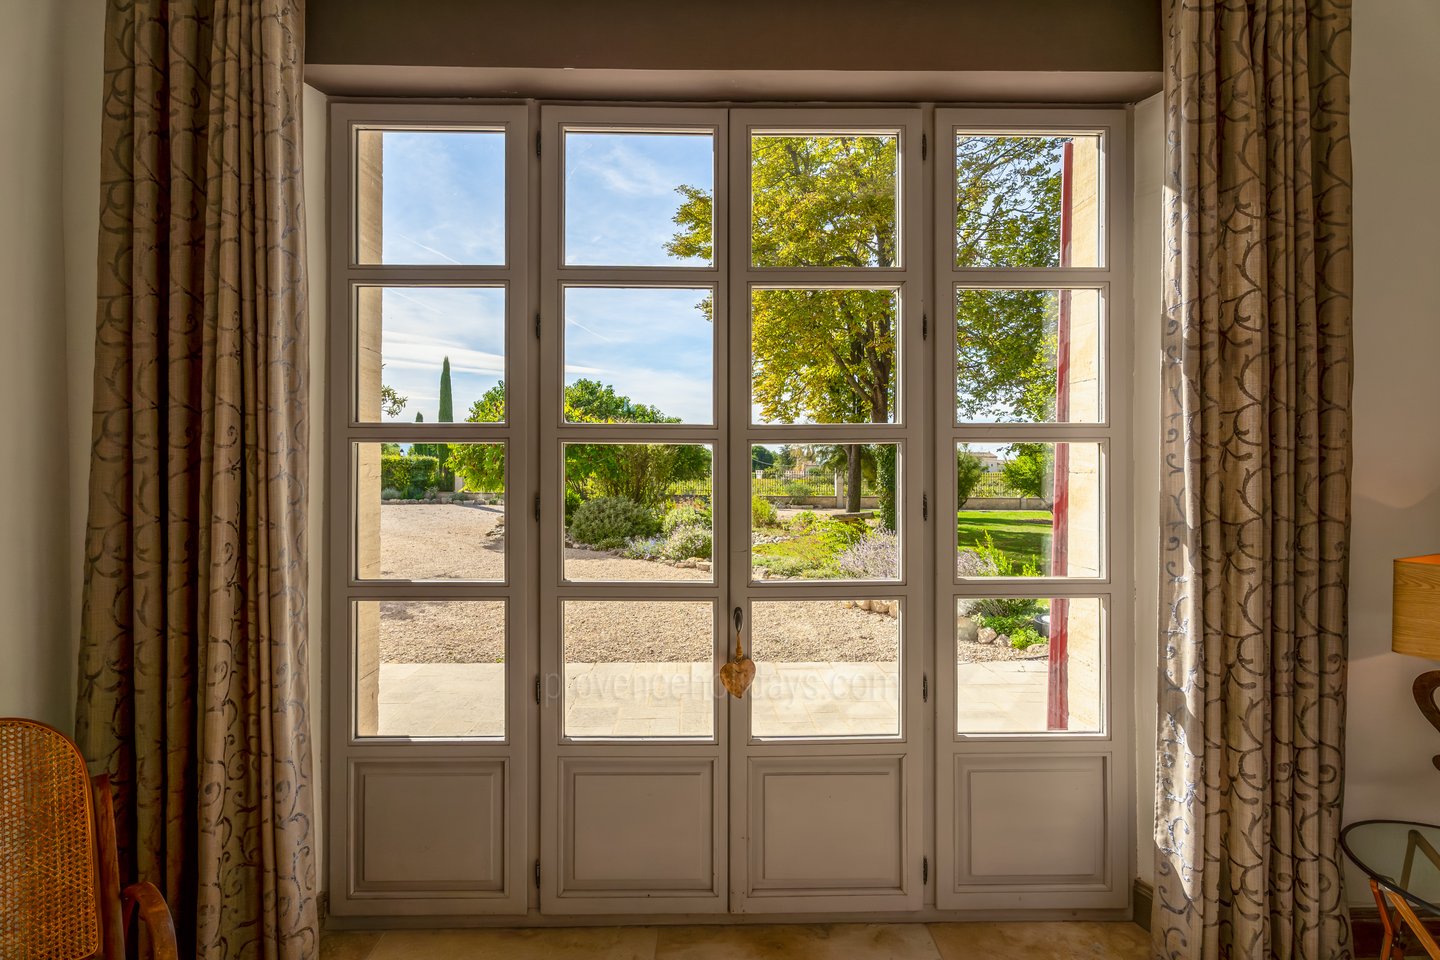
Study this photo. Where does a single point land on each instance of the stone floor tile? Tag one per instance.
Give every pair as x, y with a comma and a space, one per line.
570, 943
820, 941
1041, 941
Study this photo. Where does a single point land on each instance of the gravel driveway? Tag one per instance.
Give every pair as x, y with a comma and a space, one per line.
460, 541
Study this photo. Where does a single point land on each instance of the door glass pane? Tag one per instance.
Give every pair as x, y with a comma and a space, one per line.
1028, 665
430, 354
824, 511
1027, 201
1027, 356
638, 511
1028, 509
430, 197
430, 511
825, 668
639, 355
430, 668
824, 200
639, 199
639, 668
824, 356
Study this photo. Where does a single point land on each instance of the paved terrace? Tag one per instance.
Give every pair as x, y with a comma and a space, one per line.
672, 699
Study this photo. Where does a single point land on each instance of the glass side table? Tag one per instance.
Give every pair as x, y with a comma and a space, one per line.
1403, 862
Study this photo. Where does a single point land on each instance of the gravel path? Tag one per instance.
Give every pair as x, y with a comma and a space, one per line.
461, 541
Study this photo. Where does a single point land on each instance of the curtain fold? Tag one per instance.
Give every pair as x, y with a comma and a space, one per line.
1256, 481
193, 678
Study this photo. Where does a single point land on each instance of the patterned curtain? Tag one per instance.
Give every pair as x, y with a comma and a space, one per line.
1256, 477
193, 663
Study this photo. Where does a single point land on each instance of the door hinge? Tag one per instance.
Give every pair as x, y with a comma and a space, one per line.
924, 326
537, 689
537, 874
537, 143
537, 324
537, 508
924, 870
924, 146
925, 687
924, 506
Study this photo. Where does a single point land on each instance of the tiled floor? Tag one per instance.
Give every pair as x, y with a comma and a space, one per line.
837, 941
673, 699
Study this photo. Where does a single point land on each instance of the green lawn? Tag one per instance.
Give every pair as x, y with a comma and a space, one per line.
1021, 534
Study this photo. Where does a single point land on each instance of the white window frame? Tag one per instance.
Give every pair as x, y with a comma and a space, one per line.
959, 755
533, 275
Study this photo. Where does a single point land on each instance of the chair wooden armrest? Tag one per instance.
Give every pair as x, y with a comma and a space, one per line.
155, 915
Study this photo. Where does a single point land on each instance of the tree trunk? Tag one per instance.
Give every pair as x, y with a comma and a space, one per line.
852, 478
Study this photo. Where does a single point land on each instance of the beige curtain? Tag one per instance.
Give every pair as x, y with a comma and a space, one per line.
1256, 478
193, 661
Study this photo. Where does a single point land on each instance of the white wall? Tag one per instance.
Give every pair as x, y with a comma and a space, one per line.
1149, 158
314, 117
1394, 89
37, 647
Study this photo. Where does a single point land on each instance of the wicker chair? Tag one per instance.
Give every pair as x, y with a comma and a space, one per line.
60, 896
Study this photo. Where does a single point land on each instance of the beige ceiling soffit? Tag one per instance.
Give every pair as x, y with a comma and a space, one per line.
991, 86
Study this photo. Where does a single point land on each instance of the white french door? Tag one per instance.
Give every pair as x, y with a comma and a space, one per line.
613, 389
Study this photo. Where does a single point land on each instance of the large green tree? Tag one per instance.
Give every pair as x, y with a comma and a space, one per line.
968, 473
643, 472
825, 356
829, 356
1007, 214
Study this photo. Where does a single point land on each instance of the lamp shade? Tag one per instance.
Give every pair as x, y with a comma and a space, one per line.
1416, 624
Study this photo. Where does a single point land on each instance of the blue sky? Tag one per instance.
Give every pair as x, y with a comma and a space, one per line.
421, 326
620, 195
443, 197
444, 204
653, 345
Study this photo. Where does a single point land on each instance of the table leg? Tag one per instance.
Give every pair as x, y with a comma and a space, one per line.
1388, 900
1389, 949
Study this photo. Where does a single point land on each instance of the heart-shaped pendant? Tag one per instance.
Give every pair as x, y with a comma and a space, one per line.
737, 675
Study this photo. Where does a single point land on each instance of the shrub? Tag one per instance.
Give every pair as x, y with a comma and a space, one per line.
1025, 637
644, 548
1004, 615
411, 475
572, 501
685, 542
876, 556
763, 513
1003, 565
390, 493
804, 521
968, 563
685, 515
607, 522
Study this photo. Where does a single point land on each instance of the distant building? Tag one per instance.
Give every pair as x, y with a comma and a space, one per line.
988, 460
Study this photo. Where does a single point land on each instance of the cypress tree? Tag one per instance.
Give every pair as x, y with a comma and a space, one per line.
447, 405
447, 415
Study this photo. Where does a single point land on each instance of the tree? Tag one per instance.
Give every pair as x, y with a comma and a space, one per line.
391, 403
1007, 214
820, 355
1030, 470
482, 465
761, 458
446, 415
829, 356
968, 473
643, 472
447, 403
